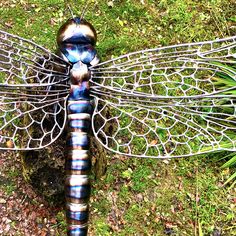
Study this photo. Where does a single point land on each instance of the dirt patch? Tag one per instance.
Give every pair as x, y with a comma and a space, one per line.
22, 210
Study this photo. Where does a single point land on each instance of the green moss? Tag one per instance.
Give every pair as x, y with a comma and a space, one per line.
154, 195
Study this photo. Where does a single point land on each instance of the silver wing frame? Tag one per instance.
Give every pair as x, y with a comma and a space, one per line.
167, 102
33, 94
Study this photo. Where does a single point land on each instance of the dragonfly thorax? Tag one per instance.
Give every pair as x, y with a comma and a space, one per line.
79, 73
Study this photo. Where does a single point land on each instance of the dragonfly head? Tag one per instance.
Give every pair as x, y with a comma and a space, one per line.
76, 40
76, 31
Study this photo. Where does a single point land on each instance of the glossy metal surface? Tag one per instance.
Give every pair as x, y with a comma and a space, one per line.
76, 40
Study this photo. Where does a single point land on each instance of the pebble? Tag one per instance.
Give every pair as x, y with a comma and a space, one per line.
2, 201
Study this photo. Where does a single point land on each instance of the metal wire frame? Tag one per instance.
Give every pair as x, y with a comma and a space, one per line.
167, 102
33, 91
160, 103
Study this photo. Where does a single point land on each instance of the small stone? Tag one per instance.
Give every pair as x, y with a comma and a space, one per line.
110, 4
139, 197
216, 232
2, 201
169, 231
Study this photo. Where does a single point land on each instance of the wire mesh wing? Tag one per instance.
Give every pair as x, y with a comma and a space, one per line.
168, 102
33, 91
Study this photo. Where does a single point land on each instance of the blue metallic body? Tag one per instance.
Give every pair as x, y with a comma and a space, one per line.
75, 53
76, 39
81, 107
80, 92
79, 165
76, 140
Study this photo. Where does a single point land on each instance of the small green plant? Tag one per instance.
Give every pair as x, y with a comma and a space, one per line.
228, 83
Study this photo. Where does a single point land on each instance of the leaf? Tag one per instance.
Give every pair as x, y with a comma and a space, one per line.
121, 22
127, 173
38, 9
200, 229
231, 178
230, 162
154, 142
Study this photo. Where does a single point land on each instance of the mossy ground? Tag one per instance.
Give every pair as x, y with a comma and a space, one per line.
145, 197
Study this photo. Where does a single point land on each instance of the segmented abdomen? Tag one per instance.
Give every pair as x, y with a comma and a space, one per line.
78, 167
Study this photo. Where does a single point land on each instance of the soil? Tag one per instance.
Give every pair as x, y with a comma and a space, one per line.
22, 210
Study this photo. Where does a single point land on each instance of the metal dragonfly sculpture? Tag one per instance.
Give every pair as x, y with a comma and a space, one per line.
159, 103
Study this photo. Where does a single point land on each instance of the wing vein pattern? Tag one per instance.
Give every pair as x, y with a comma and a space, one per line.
167, 102
33, 91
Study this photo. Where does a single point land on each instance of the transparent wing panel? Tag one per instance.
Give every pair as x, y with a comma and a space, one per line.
167, 102
163, 129
179, 71
33, 90
24, 62
31, 124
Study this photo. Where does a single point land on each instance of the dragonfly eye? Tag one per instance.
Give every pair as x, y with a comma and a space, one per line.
77, 31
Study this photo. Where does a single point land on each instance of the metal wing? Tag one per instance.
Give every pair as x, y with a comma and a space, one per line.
33, 91
168, 102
